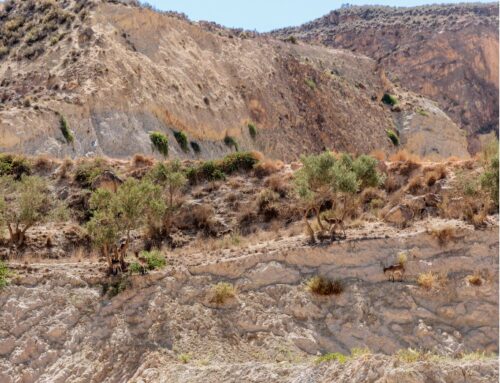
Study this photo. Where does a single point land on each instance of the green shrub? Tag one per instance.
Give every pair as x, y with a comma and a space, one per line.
159, 142
310, 83
231, 142
87, 172
217, 170
4, 275
389, 99
135, 268
155, 259
196, 147
489, 179
182, 140
365, 168
14, 165
393, 137
65, 130
422, 112
341, 358
252, 130
234, 162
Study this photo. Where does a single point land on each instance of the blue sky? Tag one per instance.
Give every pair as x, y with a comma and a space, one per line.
264, 15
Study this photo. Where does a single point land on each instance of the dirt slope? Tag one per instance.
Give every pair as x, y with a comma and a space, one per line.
449, 53
116, 72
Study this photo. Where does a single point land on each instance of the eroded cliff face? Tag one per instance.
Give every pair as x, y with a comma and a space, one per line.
57, 326
117, 72
448, 53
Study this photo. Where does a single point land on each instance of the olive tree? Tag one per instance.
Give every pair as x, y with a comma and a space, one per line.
25, 203
171, 177
115, 215
333, 180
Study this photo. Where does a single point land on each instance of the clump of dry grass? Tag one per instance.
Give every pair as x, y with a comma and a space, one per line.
475, 279
267, 167
324, 286
392, 184
415, 184
378, 154
404, 163
427, 280
278, 184
221, 292
43, 163
444, 235
140, 161
65, 167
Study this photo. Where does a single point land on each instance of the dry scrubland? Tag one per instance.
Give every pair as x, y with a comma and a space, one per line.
248, 268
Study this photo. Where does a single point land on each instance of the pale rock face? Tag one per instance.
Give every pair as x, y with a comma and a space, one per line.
56, 326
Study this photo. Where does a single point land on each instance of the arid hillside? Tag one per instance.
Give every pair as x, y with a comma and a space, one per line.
227, 285
448, 53
95, 77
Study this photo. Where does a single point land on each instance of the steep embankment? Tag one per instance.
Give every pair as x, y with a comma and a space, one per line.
163, 320
448, 53
116, 72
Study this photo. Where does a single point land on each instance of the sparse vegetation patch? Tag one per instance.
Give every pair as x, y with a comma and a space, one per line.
159, 142
182, 140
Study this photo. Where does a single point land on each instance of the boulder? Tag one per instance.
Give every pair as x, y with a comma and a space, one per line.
399, 215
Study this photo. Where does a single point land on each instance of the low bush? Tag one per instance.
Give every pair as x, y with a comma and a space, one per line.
489, 179
391, 134
14, 165
389, 99
87, 172
252, 130
4, 275
221, 292
154, 259
65, 130
231, 142
159, 142
195, 146
182, 140
323, 286
217, 169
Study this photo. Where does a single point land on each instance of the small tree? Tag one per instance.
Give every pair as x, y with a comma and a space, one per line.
171, 177
115, 215
25, 203
312, 183
325, 178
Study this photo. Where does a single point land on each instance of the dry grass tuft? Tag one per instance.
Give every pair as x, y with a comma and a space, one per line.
475, 279
221, 292
140, 161
404, 156
444, 235
378, 154
392, 184
324, 286
427, 280
43, 163
267, 167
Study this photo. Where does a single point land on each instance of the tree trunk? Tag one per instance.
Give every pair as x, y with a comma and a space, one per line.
309, 229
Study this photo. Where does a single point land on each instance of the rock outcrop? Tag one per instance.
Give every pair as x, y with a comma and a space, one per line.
448, 53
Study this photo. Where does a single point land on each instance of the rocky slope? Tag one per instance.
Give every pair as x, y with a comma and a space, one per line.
449, 53
115, 72
164, 326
